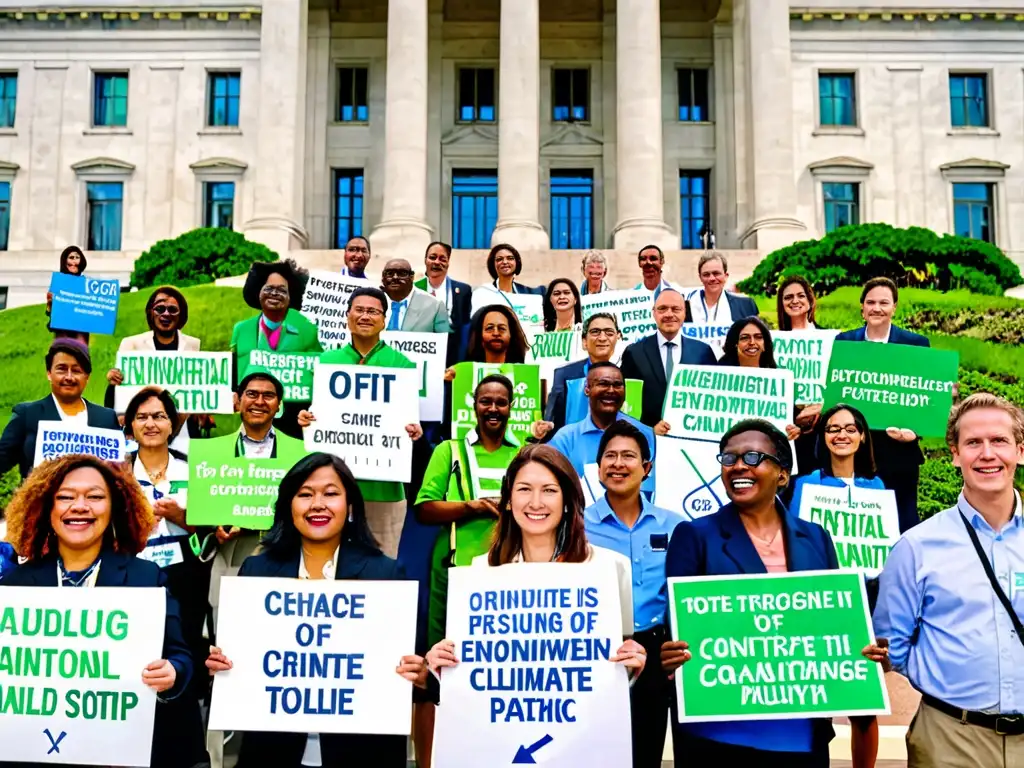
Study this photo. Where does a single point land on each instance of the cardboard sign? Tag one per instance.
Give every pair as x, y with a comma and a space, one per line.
689, 477
534, 683
325, 302
529, 307
84, 304
71, 664
525, 408
199, 382
314, 656
362, 412
293, 369
60, 438
775, 646
806, 354
631, 309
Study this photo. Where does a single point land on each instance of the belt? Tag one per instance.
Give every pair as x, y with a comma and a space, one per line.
1003, 725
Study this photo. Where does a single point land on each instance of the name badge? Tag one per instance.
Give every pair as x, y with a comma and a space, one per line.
1016, 584
163, 555
659, 542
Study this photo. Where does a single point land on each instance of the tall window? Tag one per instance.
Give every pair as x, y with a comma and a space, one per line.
694, 105
694, 199
973, 206
110, 99
572, 209
348, 205
5, 213
477, 95
353, 95
223, 93
8, 98
474, 207
968, 100
837, 98
570, 98
219, 204
104, 211
842, 204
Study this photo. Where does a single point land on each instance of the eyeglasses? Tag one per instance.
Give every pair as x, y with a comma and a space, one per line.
159, 418
272, 290
368, 311
750, 458
396, 273
626, 457
751, 337
667, 308
166, 309
609, 333
253, 394
835, 429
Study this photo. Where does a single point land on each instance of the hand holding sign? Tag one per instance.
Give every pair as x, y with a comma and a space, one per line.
674, 654
160, 675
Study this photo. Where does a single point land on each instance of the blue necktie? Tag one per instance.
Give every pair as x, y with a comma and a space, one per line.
396, 313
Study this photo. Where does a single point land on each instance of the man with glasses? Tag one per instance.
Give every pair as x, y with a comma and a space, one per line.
357, 256
706, 306
457, 297
624, 520
411, 308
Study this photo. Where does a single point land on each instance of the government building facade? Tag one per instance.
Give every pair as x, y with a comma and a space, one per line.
554, 125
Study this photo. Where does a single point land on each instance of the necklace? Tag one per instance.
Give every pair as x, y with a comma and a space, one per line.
158, 475
766, 541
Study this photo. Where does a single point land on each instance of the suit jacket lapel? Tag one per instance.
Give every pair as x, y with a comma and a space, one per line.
653, 351
351, 560
736, 543
113, 569
800, 554
48, 410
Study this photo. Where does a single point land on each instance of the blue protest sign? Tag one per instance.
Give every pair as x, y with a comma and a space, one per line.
84, 304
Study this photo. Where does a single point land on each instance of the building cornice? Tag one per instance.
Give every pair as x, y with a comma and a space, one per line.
112, 10
102, 165
812, 13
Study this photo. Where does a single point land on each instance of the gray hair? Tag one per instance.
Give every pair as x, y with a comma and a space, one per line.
713, 256
591, 257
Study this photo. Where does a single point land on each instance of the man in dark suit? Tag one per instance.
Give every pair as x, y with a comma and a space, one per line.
706, 305
457, 297
68, 367
897, 451
652, 359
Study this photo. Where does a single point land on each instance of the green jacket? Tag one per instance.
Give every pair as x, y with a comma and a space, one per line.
299, 335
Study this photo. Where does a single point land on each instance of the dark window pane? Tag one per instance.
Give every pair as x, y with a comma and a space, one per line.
572, 202
694, 205
474, 207
348, 204
485, 88
467, 92
700, 95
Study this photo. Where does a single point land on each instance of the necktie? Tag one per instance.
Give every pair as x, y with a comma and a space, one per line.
394, 323
670, 360
433, 292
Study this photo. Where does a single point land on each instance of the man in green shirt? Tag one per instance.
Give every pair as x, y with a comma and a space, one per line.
385, 501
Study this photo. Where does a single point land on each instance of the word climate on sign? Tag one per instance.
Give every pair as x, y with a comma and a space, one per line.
199, 382
863, 522
71, 664
534, 644
314, 656
775, 646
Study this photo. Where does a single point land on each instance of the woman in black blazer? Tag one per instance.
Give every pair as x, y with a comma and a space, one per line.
320, 532
81, 521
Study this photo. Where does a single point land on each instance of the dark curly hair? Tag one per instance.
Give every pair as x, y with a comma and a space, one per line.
493, 254
260, 271
64, 260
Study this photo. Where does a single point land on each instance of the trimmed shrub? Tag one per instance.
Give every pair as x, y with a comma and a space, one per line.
198, 257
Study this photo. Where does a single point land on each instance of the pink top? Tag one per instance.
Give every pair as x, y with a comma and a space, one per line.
772, 555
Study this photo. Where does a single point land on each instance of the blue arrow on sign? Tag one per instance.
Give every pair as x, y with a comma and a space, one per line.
525, 754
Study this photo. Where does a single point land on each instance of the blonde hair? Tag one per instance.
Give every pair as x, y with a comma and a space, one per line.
984, 400
594, 256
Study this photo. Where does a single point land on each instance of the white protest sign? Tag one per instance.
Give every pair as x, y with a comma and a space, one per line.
428, 351
689, 478
314, 656
806, 354
631, 310
71, 664
554, 349
199, 382
325, 302
361, 414
534, 683
60, 438
593, 488
864, 523
711, 334
529, 307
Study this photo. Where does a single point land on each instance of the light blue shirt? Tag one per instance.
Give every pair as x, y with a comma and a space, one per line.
818, 477
579, 442
647, 557
966, 652
398, 310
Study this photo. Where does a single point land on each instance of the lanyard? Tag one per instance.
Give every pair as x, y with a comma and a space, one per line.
703, 304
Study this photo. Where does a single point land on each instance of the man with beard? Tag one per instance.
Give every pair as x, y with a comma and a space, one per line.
357, 256
460, 490
457, 297
411, 309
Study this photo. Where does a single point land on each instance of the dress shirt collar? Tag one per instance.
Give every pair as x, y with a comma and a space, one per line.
662, 340
268, 438
329, 570
979, 522
603, 510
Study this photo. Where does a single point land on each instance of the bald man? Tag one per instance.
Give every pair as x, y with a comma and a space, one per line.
411, 309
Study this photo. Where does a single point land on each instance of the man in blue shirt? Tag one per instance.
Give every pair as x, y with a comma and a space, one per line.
951, 599
578, 442
624, 521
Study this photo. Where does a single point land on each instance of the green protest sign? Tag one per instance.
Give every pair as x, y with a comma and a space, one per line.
775, 646
894, 385
199, 382
806, 354
863, 522
525, 409
293, 370
230, 490
633, 403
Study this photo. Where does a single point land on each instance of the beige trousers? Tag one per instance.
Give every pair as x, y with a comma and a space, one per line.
936, 740
386, 520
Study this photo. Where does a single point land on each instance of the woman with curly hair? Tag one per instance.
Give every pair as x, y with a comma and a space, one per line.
79, 522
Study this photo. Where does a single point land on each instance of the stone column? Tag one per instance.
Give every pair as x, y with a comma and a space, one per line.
519, 128
403, 230
769, 68
278, 199
639, 167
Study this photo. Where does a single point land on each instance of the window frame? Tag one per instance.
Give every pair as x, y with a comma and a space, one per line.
485, 238
563, 172
709, 88
210, 203
991, 189
90, 245
855, 101
211, 76
5, 77
988, 123
853, 205
707, 174
476, 67
353, 174
5, 216
338, 106
99, 75
587, 99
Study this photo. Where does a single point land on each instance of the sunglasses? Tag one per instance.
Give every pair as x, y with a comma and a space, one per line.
750, 458
163, 309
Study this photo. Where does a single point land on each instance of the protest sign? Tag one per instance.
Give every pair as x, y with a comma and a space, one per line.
314, 656
293, 369
863, 522
534, 682
806, 354
84, 304
631, 310
235, 490
553, 350
325, 302
71, 664
525, 408
362, 412
711, 334
689, 477
704, 402
199, 382
775, 646
61, 438
894, 385
428, 351
529, 307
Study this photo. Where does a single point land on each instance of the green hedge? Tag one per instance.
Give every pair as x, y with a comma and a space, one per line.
198, 257
915, 257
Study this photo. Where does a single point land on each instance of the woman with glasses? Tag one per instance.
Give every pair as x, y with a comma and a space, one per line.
503, 265
562, 310
753, 533
594, 269
796, 305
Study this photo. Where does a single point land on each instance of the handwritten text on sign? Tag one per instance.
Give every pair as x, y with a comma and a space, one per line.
806, 354
60, 438
525, 405
293, 370
199, 382
71, 664
314, 656
631, 309
863, 522
325, 302
361, 413
428, 351
534, 643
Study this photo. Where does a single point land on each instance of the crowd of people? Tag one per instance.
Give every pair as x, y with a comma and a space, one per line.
946, 611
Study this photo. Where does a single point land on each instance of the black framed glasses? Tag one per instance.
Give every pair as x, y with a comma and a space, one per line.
750, 458
835, 429
401, 274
